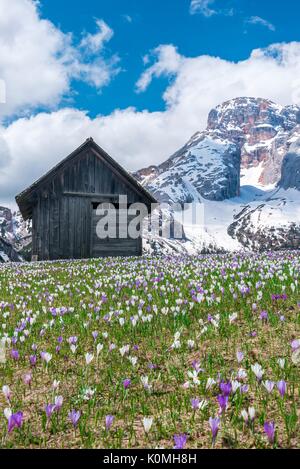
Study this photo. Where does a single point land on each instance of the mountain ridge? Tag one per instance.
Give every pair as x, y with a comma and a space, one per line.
244, 170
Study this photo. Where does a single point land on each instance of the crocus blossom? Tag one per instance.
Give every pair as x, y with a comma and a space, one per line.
180, 441
74, 417
281, 386
214, 424
147, 424
126, 383
269, 428
15, 421
109, 421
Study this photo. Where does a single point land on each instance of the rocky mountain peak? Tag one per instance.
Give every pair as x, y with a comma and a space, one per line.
262, 129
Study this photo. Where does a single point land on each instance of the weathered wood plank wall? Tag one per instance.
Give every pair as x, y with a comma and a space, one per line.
62, 223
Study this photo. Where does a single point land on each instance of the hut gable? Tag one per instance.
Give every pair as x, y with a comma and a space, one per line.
62, 205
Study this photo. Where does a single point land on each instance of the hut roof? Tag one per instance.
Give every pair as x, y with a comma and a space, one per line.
25, 201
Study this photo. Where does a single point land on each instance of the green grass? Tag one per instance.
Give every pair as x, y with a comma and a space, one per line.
156, 306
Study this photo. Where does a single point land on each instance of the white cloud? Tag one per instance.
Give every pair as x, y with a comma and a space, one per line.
167, 63
261, 21
38, 61
30, 146
95, 42
203, 7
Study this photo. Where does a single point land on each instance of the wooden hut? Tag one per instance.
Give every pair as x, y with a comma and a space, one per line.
63, 206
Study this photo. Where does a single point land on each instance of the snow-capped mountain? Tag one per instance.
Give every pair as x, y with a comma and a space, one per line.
232, 169
243, 171
245, 138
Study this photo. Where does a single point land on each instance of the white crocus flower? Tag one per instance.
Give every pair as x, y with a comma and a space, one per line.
147, 423
235, 386
210, 383
202, 404
232, 317
133, 360
47, 357
251, 412
281, 363
194, 376
269, 385
241, 374
245, 415
124, 349
89, 358
7, 412
145, 383
7, 392
258, 371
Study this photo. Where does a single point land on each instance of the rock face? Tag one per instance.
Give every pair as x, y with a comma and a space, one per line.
205, 167
15, 235
233, 168
262, 129
245, 137
8, 253
268, 226
290, 173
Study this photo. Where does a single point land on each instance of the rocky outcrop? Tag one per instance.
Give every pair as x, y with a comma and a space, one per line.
290, 174
15, 236
245, 137
267, 226
8, 253
262, 129
205, 167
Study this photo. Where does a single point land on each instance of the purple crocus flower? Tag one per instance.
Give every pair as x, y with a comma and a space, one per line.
244, 389
180, 441
223, 401
15, 420
32, 360
74, 417
214, 424
269, 428
239, 356
15, 354
58, 401
264, 316
225, 388
126, 383
195, 403
281, 386
109, 421
95, 334
49, 409
295, 344
72, 340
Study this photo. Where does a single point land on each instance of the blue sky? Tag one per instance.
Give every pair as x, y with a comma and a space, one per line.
140, 77
153, 22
